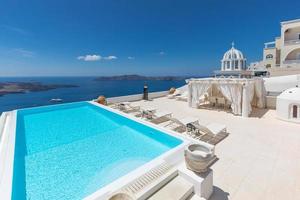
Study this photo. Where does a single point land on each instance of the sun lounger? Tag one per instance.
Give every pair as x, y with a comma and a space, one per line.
176, 93
183, 96
143, 112
211, 133
159, 117
118, 105
180, 125
127, 107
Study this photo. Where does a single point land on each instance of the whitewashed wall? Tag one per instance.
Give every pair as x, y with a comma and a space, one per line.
281, 83
136, 97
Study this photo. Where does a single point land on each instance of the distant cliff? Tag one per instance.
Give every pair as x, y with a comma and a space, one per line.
23, 87
139, 78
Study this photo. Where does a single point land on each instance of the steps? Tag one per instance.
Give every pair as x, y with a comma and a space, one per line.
163, 182
150, 180
177, 189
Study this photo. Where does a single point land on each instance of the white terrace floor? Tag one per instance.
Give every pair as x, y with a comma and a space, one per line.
260, 158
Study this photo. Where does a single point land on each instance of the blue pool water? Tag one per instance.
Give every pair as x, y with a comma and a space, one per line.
69, 151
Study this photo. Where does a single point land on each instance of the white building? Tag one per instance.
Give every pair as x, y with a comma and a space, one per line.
284, 52
288, 105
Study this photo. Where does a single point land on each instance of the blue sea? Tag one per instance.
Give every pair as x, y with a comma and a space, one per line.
88, 89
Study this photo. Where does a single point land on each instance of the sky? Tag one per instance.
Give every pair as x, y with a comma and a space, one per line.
146, 37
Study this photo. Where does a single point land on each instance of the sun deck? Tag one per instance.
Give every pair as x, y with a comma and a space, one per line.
258, 160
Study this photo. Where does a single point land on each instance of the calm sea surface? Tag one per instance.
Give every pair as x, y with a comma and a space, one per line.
88, 89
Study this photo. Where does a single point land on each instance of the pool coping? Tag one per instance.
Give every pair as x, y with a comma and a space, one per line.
7, 148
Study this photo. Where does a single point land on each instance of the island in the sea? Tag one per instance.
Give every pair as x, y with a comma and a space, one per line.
134, 77
23, 87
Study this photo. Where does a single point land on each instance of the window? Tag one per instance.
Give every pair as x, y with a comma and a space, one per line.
295, 111
269, 56
242, 64
236, 64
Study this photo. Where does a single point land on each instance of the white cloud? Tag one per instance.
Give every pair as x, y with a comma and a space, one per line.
96, 57
89, 57
131, 58
110, 58
162, 53
23, 52
15, 29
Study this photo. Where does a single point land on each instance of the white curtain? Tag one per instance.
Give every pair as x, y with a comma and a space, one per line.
232, 92
250, 95
260, 92
196, 90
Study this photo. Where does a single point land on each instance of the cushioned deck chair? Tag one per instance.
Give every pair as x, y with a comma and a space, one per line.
126, 107
159, 117
180, 125
118, 105
183, 96
176, 93
143, 112
211, 133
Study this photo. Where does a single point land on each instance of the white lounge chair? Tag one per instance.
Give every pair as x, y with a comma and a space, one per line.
158, 117
144, 112
183, 96
176, 93
118, 105
127, 107
180, 125
211, 133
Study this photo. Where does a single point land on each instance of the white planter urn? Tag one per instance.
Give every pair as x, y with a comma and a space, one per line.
198, 157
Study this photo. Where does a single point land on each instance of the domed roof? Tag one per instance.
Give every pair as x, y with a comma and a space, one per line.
233, 53
290, 94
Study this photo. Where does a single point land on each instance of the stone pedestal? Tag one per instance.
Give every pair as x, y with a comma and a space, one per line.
203, 182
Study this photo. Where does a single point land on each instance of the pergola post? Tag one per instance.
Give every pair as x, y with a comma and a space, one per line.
245, 109
190, 94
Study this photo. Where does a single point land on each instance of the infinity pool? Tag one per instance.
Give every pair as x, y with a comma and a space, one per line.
70, 151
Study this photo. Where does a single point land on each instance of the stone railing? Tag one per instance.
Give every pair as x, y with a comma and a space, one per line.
291, 42
291, 61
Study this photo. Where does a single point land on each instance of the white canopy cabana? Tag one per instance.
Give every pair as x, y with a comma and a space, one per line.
241, 93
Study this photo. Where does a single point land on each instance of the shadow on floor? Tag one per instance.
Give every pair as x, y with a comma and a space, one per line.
258, 113
219, 194
215, 108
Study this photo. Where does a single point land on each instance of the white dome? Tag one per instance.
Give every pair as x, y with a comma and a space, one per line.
288, 105
232, 54
233, 60
290, 94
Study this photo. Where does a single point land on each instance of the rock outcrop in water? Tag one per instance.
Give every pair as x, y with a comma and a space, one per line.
23, 87
139, 78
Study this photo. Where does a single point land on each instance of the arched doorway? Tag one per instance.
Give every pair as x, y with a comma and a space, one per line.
293, 56
295, 111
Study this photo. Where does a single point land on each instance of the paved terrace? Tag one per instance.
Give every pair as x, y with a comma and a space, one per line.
260, 158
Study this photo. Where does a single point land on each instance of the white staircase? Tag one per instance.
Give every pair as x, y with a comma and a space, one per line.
164, 182
177, 189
